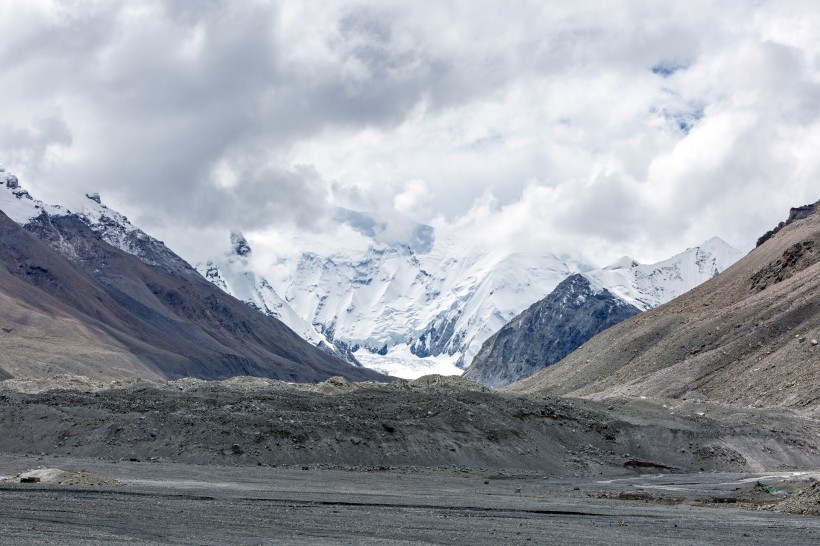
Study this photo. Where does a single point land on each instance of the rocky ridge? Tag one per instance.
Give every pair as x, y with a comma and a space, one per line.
547, 332
748, 337
587, 303
91, 294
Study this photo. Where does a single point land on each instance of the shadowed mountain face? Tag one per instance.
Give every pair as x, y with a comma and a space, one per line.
73, 303
749, 336
547, 332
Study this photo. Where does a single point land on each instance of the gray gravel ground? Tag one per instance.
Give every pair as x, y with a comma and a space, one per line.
433, 461
173, 503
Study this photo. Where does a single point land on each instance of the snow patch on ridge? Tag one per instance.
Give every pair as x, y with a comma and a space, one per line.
19, 205
113, 227
649, 285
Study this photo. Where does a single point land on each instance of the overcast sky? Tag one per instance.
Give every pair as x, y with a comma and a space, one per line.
600, 128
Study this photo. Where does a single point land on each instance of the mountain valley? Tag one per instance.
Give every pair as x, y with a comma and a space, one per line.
118, 356
587, 303
747, 337
426, 304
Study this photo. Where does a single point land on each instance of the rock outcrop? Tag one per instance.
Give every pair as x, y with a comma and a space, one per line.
547, 332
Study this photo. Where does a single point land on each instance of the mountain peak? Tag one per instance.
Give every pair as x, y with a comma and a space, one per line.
94, 196
240, 244
624, 262
585, 304
18, 204
547, 331
716, 244
9, 179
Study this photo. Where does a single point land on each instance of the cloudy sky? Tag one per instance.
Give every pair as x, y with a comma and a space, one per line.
600, 128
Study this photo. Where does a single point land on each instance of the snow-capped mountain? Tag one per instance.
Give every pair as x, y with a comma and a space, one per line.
649, 285
232, 273
585, 304
391, 300
548, 331
424, 301
113, 227
411, 305
18, 204
111, 301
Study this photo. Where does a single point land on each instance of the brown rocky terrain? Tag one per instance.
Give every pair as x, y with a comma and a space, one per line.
39, 336
72, 303
748, 337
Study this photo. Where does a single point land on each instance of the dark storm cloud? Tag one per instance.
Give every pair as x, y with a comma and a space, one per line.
276, 195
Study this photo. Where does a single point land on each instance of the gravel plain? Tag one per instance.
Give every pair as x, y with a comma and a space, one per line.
432, 461
173, 503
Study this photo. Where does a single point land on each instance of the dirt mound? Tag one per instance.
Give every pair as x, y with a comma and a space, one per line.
64, 477
441, 383
805, 501
428, 422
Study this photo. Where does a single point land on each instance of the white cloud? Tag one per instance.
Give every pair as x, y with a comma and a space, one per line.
539, 125
415, 194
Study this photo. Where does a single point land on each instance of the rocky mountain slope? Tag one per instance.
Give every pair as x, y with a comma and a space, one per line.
588, 303
747, 337
548, 331
90, 293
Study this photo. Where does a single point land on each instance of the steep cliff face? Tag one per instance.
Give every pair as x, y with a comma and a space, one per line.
548, 331
232, 274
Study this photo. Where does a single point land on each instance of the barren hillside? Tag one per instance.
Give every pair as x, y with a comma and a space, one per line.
749, 336
72, 303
